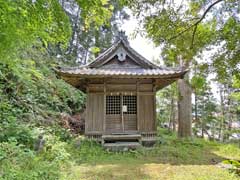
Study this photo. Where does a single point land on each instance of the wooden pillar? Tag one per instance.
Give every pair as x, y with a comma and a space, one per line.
104, 107
87, 110
154, 106
121, 101
138, 106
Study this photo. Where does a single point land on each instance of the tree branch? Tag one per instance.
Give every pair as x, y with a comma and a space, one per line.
195, 25
200, 20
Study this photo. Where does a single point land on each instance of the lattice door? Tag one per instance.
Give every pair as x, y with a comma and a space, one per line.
113, 114
121, 113
130, 113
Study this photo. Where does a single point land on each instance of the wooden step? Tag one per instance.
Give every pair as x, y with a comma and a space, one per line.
121, 146
121, 136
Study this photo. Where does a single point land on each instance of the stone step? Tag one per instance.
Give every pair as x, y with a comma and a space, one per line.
121, 146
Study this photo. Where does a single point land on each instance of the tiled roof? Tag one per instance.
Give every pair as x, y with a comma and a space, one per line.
124, 72
145, 68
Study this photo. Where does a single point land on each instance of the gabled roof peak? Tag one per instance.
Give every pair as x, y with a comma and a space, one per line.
121, 36
121, 42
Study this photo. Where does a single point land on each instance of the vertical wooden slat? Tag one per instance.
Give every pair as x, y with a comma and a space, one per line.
95, 109
146, 114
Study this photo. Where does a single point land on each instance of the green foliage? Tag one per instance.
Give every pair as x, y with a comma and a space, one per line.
12, 131
32, 98
198, 81
180, 156
59, 159
19, 162
166, 104
236, 95
95, 12
235, 165
22, 22
198, 31
94, 26
188, 29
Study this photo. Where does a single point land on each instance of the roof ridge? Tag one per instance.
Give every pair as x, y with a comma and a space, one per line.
139, 55
113, 46
67, 68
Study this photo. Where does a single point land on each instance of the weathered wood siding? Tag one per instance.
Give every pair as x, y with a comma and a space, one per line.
146, 113
143, 121
130, 122
113, 123
95, 113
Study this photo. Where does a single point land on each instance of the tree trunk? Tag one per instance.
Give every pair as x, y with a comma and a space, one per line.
171, 116
196, 107
221, 128
174, 117
184, 109
202, 127
229, 114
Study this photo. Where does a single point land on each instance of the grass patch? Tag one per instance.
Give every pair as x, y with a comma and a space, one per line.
79, 158
170, 158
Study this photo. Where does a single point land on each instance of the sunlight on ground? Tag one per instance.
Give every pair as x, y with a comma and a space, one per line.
149, 171
172, 159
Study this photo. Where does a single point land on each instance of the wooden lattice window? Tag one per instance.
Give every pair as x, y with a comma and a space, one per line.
131, 104
113, 105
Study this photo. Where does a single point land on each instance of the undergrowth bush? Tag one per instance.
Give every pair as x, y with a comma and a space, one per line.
31, 101
21, 163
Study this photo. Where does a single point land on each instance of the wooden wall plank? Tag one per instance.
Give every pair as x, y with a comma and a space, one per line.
146, 114
96, 116
94, 121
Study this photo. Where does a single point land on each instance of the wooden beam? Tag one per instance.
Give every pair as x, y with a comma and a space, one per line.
93, 85
119, 92
146, 93
99, 93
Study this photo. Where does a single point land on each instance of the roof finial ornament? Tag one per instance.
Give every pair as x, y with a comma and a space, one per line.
121, 36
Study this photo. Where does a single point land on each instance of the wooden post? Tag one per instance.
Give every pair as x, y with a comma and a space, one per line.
154, 105
138, 106
104, 108
121, 101
87, 110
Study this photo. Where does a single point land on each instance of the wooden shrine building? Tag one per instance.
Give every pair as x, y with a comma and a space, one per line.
121, 88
